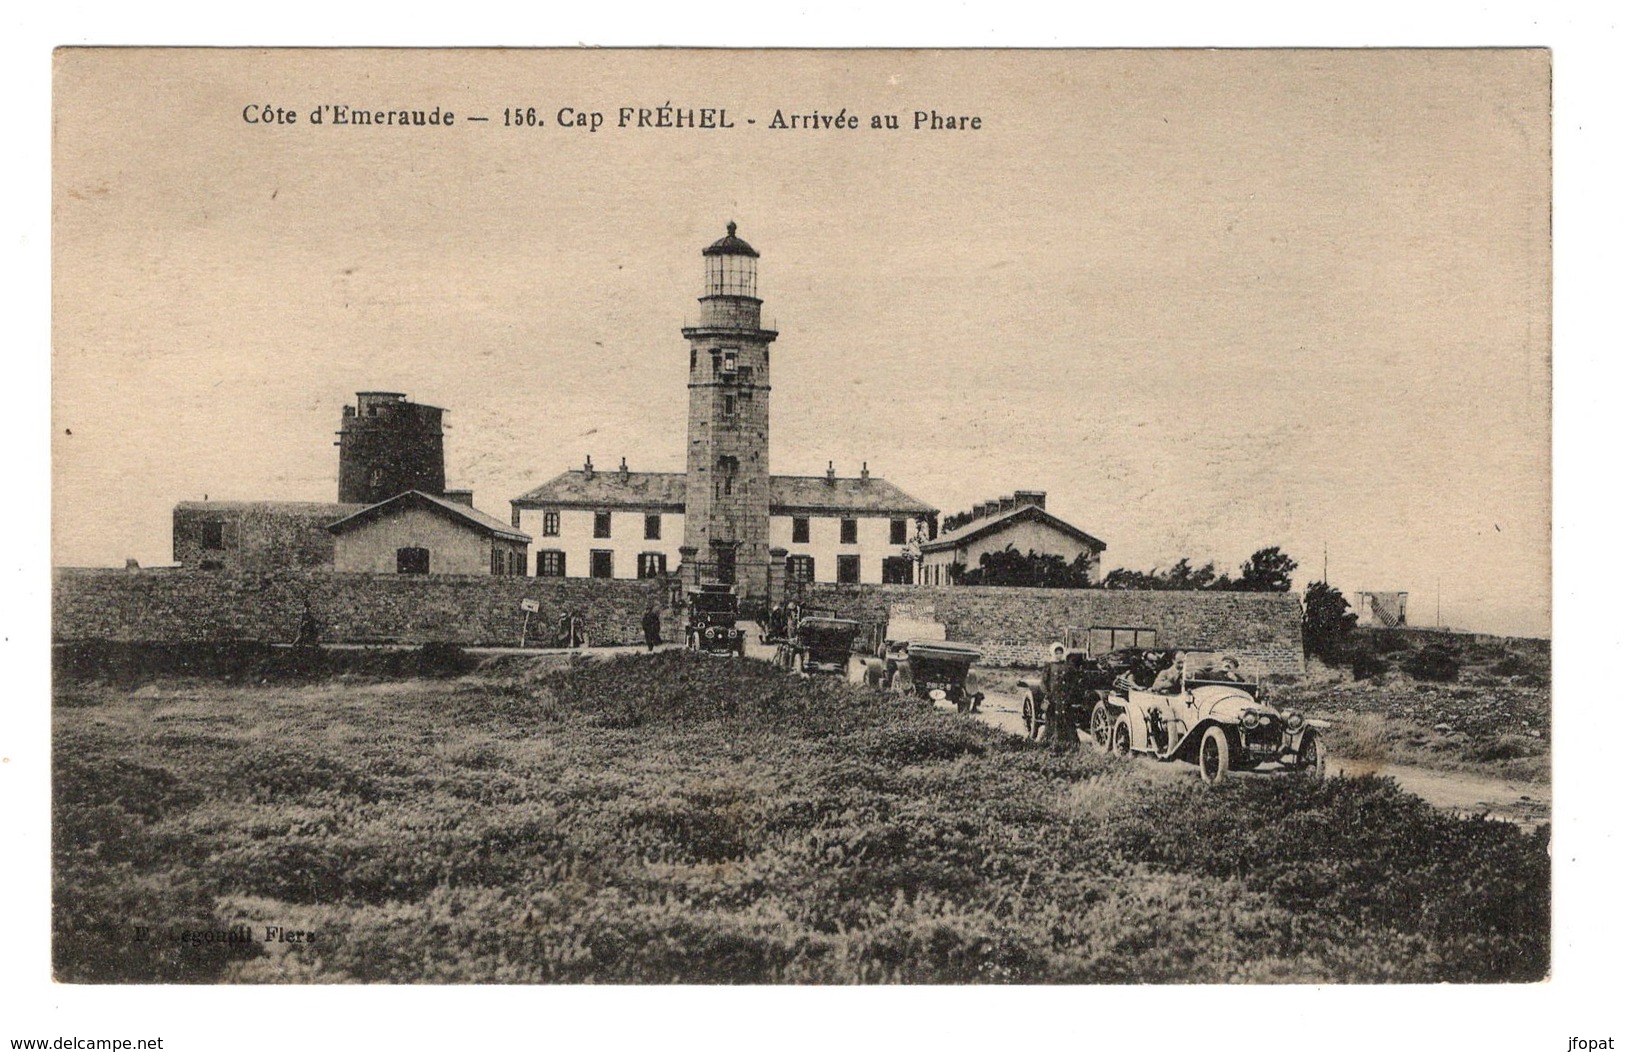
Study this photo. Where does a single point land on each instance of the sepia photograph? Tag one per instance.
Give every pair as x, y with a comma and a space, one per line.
1077, 519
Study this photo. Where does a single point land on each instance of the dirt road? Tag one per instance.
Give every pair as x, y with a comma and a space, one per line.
1525, 803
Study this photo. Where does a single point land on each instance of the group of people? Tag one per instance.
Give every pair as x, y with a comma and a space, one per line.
1216, 669
782, 619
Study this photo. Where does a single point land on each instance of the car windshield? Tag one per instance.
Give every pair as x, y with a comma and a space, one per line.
707, 603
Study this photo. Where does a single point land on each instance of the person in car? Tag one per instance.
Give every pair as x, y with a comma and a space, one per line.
1168, 680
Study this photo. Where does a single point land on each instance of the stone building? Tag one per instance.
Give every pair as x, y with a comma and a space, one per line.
255, 535
418, 533
388, 445
1019, 522
725, 519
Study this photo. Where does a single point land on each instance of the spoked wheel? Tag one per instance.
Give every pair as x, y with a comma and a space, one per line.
1213, 758
1029, 716
1100, 727
1122, 743
1311, 755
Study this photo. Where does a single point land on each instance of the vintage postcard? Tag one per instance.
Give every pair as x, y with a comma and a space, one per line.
801, 517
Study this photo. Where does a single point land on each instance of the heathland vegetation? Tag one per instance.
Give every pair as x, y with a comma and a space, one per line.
670, 818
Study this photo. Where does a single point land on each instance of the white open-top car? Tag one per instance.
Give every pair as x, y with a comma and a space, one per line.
1220, 726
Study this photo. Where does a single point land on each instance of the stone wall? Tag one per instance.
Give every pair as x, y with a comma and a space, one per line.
182, 605
1014, 626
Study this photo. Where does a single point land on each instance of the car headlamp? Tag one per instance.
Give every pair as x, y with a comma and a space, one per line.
710, 633
1294, 721
1249, 719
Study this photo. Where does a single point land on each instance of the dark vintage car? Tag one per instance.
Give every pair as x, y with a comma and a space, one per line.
713, 621
913, 658
1079, 682
820, 644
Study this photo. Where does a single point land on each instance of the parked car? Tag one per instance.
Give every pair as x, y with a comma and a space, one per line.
915, 657
1220, 726
819, 644
1091, 662
712, 625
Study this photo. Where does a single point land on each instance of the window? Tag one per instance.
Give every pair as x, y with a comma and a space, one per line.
550, 524
799, 568
411, 560
652, 564
214, 536
600, 524
550, 564
603, 563
846, 569
897, 570
651, 527
745, 374
730, 363
496, 561
729, 406
899, 531
800, 529
849, 531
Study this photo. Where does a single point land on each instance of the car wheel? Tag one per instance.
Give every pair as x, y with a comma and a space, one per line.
1213, 756
1311, 755
1029, 716
1122, 742
1100, 727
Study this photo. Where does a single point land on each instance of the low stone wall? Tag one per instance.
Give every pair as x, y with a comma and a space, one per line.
1015, 626
194, 605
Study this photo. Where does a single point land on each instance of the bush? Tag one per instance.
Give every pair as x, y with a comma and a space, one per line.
1367, 664
1434, 663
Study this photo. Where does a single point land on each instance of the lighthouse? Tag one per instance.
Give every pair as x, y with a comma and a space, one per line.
725, 536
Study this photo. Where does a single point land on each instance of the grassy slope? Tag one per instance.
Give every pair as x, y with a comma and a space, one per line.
1494, 719
668, 818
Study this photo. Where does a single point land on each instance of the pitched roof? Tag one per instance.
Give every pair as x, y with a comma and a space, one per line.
608, 489
816, 493
461, 513
977, 528
667, 491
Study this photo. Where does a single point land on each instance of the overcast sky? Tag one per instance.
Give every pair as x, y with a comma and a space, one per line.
1209, 301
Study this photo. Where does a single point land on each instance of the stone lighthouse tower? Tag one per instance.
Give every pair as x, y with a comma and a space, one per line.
725, 536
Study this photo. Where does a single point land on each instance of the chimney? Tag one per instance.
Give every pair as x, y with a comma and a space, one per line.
1035, 497
587, 468
1006, 503
979, 511
464, 497
625, 473
829, 475
865, 475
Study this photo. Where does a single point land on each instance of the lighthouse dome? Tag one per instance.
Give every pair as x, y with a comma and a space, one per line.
730, 245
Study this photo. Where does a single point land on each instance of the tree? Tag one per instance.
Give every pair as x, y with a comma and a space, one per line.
1327, 622
1010, 568
1268, 570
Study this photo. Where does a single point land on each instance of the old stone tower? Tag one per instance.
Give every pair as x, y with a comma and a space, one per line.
387, 446
725, 535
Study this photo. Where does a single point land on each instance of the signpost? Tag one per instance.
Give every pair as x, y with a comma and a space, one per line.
529, 606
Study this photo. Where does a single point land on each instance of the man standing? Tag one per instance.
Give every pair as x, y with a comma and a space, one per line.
651, 628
